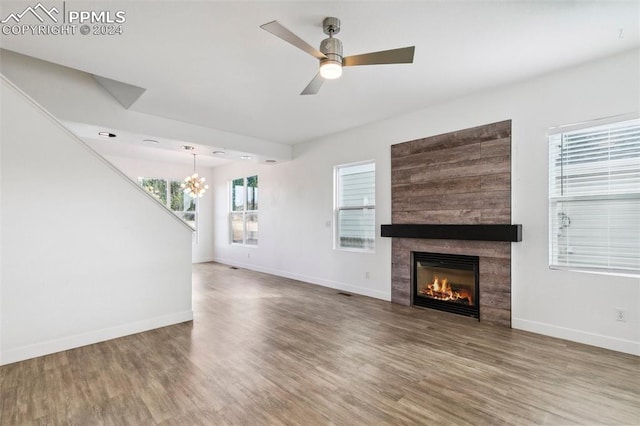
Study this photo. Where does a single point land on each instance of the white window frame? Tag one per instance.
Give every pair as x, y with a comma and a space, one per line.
337, 209
178, 213
244, 212
585, 192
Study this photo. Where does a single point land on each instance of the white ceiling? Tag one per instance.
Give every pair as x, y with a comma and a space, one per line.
143, 147
209, 63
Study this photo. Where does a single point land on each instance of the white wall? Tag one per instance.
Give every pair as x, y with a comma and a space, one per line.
202, 245
295, 205
86, 255
296, 201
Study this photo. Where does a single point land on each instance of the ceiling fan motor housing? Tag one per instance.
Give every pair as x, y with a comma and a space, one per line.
332, 48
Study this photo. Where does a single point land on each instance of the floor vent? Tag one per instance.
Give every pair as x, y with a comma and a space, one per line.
344, 294
233, 267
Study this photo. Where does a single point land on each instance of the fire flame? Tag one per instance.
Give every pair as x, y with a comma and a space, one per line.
441, 290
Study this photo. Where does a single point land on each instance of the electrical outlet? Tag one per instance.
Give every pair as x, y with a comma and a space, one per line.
621, 315
367, 275
248, 255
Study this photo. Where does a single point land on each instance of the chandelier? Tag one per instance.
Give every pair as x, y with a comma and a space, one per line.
194, 185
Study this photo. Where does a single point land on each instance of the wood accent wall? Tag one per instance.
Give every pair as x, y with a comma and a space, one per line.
463, 177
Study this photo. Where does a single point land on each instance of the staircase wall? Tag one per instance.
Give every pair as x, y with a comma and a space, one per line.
86, 255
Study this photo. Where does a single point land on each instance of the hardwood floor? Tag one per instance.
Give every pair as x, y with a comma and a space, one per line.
268, 350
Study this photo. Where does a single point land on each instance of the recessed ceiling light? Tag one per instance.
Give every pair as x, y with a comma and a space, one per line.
188, 147
107, 134
150, 140
269, 161
219, 152
245, 157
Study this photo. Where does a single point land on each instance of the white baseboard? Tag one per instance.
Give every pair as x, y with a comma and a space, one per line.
615, 344
620, 345
203, 260
91, 337
310, 279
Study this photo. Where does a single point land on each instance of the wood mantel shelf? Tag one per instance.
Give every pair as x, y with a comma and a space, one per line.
512, 233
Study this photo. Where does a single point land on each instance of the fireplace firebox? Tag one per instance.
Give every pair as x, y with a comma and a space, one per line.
446, 282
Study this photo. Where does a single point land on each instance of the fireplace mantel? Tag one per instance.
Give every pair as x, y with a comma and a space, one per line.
512, 233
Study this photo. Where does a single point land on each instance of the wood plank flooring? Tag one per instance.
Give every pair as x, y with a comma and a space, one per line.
269, 350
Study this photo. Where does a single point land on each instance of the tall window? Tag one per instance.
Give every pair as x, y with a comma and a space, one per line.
594, 198
170, 193
355, 206
243, 218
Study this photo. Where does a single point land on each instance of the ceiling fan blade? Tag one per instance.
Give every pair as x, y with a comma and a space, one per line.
313, 86
275, 28
403, 55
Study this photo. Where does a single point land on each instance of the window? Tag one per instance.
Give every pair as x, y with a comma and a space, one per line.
594, 198
355, 206
243, 218
171, 194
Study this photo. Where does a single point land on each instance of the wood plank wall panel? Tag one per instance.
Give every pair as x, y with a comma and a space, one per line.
463, 177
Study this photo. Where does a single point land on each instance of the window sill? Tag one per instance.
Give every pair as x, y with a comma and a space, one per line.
244, 245
612, 272
355, 250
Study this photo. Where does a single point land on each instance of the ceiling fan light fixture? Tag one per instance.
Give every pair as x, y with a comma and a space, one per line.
330, 53
331, 66
330, 70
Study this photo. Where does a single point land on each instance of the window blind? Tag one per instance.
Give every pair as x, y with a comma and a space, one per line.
356, 191
594, 198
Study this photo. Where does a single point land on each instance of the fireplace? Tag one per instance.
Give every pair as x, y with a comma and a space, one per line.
447, 282
451, 193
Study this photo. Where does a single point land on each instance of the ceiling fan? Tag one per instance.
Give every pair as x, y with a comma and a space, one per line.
330, 53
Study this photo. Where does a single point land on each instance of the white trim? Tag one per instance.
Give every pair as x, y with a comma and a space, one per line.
337, 209
363, 291
593, 339
203, 260
356, 250
596, 122
244, 211
597, 271
585, 185
91, 337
